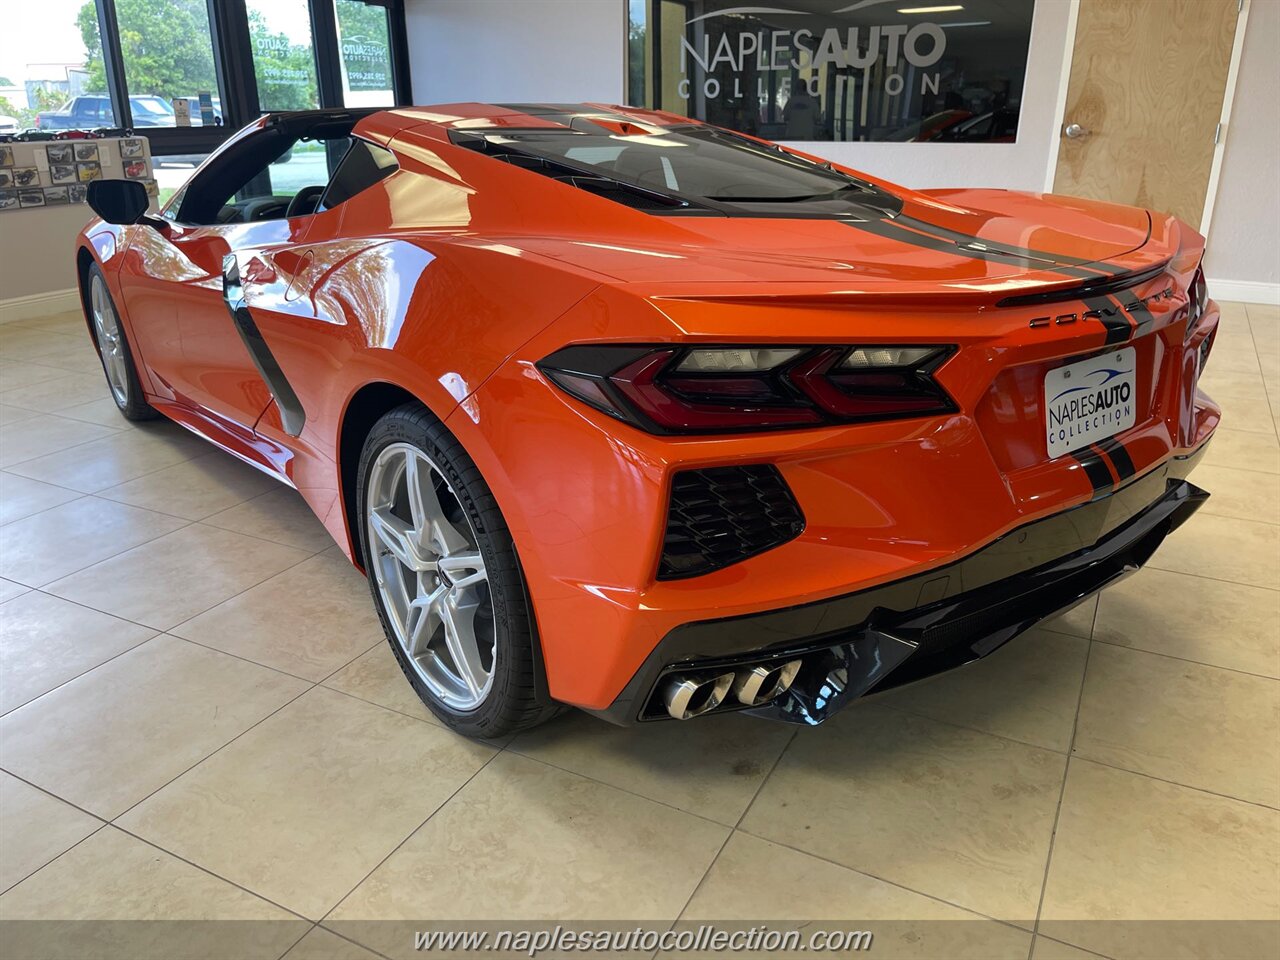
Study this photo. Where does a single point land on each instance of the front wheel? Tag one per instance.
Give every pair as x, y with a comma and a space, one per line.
114, 352
446, 580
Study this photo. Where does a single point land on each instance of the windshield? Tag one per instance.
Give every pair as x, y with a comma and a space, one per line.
701, 163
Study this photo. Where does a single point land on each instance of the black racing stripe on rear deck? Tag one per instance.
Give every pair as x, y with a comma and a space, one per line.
1120, 458
1095, 468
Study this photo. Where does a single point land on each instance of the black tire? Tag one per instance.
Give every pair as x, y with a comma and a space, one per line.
518, 698
134, 405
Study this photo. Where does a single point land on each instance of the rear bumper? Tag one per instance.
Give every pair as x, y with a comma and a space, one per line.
912, 628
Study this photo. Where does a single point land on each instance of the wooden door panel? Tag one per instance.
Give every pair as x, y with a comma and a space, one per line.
1147, 82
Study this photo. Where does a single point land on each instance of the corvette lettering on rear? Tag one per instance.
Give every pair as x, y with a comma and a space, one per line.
1102, 313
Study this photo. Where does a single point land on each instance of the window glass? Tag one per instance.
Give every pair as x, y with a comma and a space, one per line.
833, 70
305, 164
364, 45
699, 162
51, 68
363, 166
283, 54
168, 55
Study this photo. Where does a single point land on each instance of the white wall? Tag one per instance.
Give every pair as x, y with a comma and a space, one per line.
1244, 238
517, 51
37, 250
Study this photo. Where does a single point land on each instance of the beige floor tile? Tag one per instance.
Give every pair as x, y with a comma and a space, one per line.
753, 879
1244, 494
14, 374
1129, 848
303, 806
1227, 384
21, 497
196, 488
525, 841
102, 411
84, 360
44, 434
1076, 622
712, 768
320, 944
113, 877
35, 828
46, 641
70, 323
10, 414
309, 620
1245, 451
1049, 949
1201, 726
9, 590
127, 728
376, 676
279, 514
1027, 690
1223, 548
50, 396
952, 813
169, 580
34, 345
46, 546
95, 466
1208, 621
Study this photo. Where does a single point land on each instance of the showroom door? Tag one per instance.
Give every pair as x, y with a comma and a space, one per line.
1148, 78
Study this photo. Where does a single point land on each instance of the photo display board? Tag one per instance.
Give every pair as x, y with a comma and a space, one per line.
45, 173
864, 70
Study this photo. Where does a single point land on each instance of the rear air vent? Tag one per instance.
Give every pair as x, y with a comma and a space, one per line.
723, 515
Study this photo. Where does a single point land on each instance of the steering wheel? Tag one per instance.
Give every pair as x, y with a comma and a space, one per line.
304, 202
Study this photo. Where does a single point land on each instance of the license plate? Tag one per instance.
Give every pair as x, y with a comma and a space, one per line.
1090, 400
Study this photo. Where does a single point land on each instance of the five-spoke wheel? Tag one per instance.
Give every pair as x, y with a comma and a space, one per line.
431, 575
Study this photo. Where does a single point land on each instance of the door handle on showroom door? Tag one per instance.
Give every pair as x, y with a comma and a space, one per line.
1073, 131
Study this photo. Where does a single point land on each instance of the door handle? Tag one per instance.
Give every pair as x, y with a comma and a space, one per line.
1073, 131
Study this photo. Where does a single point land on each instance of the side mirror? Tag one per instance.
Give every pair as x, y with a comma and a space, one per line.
118, 201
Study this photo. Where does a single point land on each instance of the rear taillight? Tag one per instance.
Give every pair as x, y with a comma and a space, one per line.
718, 389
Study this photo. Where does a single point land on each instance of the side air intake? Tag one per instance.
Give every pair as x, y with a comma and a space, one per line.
723, 515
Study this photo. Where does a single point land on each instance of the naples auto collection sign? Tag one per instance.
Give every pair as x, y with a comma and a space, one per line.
838, 70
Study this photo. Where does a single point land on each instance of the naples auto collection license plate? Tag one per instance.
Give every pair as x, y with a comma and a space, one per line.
1090, 400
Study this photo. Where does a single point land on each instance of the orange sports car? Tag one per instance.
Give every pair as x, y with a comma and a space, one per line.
628, 412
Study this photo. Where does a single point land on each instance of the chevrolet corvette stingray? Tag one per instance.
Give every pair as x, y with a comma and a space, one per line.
623, 411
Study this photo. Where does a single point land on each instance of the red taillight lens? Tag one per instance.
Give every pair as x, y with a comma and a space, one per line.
681, 389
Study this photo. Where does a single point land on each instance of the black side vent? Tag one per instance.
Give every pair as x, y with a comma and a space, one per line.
723, 515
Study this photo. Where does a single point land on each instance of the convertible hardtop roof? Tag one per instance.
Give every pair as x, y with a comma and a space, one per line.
464, 116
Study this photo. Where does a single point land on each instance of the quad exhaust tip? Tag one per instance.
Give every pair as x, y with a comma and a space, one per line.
686, 697
763, 682
690, 695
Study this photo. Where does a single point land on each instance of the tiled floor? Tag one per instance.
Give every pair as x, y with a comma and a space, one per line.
201, 721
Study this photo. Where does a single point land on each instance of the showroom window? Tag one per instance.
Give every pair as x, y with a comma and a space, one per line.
834, 70
188, 73
52, 74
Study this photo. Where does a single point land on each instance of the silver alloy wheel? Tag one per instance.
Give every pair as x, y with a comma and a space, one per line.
430, 574
106, 328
